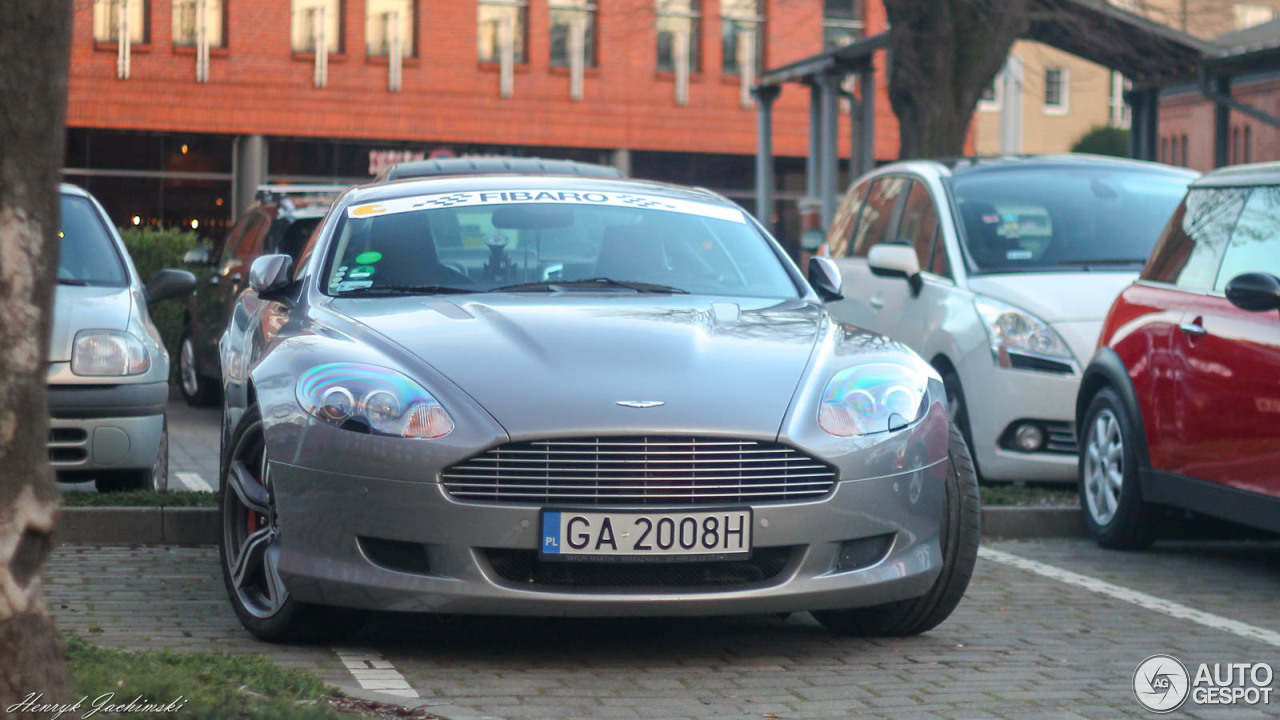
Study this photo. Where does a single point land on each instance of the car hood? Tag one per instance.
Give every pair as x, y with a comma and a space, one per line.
78, 308
561, 363
1056, 297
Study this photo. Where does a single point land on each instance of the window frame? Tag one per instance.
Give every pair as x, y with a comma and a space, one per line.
926, 266
895, 215
759, 24
858, 24
695, 17
521, 36
341, 46
1063, 106
1220, 280
1160, 247
592, 39
111, 40
413, 30
222, 45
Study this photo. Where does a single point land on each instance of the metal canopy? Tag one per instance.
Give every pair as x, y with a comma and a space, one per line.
1151, 55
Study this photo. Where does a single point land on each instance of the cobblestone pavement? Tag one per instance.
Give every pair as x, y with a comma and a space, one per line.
1020, 646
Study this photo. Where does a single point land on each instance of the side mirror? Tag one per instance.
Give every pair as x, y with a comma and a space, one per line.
896, 260
824, 276
197, 257
169, 284
1256, 292
269, 273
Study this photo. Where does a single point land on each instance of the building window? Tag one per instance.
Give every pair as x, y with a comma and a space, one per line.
187, 19
1164, 150
564, 17
491, 19
742, 36
388, 24
109, 15
317, 23
1234, 154
1056, 87
1185, 161
1248, 144
678, 19
842, 22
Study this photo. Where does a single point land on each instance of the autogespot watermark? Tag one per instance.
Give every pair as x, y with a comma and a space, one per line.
1163, 684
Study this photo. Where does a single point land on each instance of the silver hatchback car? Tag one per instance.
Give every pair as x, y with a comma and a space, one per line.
575, 396
108, 369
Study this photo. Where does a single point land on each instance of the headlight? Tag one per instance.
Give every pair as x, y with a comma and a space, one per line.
873, 398
372, 399
1011, 328
108, 353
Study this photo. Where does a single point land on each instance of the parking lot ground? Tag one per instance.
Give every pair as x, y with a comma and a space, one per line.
1042, 633
193, 448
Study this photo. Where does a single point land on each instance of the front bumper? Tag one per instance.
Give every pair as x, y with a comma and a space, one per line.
325, 517
113, 427
996, 397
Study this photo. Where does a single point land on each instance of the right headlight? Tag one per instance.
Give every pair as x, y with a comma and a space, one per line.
1011, 328
108, 353
873, 398
372, 399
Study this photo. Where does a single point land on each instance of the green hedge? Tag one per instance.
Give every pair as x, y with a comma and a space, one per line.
154, 250
1103, 140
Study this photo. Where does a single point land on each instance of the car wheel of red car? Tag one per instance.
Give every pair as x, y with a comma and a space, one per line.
1111, 497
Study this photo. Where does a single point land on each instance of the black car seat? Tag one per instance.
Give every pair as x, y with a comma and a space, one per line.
981, 225
409, 253
631, 253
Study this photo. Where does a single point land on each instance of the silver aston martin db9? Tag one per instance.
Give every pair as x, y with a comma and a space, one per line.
569, 396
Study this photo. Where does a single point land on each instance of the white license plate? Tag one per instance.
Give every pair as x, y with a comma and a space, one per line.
640, 536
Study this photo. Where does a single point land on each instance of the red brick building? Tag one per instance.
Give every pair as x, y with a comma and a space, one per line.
208, 98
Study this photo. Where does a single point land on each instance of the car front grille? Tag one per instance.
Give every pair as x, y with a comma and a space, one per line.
68, 446
670, 471
529, 571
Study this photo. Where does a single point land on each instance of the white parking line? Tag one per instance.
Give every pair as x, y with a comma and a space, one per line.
375, 672
193, 481
1143, 600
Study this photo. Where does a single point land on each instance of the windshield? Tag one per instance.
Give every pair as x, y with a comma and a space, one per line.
541, 240
1064, 218
88, 254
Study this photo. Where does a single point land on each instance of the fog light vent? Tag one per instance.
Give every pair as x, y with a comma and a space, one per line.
864, 552
408, 557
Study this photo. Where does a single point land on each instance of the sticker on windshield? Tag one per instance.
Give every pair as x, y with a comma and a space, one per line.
368, 258
1008, 255
361, 272
567, 197
353, 285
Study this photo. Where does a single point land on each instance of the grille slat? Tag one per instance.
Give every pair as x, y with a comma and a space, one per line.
671, 471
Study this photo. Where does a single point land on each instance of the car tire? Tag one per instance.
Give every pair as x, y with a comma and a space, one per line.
958, 536
958, 410
197, 390
248, 523
154, 478
1110, 496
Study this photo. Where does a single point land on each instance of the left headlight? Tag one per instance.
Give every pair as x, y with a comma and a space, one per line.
108, 353
372, 399
873, 398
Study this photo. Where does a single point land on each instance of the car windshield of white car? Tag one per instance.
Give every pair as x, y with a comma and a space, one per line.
554, 241
87, 254
1039, 219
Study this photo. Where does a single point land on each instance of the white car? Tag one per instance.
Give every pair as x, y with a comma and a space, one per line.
1000, 272
108, 375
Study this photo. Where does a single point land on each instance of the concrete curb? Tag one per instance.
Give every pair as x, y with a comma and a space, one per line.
199, 525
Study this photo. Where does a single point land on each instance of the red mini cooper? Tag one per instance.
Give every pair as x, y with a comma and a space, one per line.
1181, 404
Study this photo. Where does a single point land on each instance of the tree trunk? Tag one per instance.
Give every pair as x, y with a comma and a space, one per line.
942, 54
34, 52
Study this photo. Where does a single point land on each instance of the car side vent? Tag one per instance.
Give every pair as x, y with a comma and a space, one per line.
407, 557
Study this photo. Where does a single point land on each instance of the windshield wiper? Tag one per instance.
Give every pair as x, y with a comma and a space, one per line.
596, 282
1104, 261
406, 290
73, 281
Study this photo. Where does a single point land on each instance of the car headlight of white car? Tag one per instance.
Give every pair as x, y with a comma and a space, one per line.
1014, 329
368, 398
873, 398
108, 353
